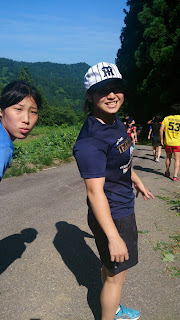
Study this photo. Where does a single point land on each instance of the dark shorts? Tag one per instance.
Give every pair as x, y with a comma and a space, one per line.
156, 141
128, 231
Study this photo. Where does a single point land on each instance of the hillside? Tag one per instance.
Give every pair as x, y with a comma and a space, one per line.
61, 83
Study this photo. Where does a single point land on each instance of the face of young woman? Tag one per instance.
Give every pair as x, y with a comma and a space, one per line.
19, 119
108, 100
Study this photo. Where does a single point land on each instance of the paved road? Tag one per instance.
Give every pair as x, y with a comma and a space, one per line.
56, 275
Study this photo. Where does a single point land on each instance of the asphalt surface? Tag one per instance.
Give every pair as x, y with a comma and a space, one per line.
52, 270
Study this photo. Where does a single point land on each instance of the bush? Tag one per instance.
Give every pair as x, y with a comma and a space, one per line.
41, 150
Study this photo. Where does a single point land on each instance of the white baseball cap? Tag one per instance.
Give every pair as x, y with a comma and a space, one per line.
99, 73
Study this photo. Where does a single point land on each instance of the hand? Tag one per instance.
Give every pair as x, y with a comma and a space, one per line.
144, 191
148, 137
118, 250
162, 142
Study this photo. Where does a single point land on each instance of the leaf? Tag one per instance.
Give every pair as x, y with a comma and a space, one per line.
168, 257
143, 231
177, 274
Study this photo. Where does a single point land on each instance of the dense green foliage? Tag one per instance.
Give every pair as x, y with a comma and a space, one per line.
60, 85
149, 57
45, 146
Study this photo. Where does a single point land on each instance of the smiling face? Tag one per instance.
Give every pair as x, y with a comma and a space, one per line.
19, 119
107, 101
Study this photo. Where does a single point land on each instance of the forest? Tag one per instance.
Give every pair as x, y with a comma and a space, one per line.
61, 87
148, 58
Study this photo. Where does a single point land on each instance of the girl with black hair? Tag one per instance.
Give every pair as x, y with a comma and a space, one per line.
19, 103
103, 152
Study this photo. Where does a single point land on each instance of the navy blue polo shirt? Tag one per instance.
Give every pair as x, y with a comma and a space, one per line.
103, 150
6, 150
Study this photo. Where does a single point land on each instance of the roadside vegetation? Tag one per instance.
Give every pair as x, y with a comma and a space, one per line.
170, 250
44, 147
174, 203
170, 254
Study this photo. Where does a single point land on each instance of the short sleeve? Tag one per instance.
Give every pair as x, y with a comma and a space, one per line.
5, 159
91, 157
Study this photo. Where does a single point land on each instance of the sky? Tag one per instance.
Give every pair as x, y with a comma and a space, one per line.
68, 31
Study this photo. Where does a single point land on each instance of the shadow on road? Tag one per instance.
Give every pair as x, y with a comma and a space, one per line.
141, 149
147, 158
81, 260
12, 247
151, 155
148, 170
144, 158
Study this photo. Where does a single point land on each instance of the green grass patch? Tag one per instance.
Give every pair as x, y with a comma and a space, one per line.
169, 253
45, 146
163, 198
143, 231
174, 203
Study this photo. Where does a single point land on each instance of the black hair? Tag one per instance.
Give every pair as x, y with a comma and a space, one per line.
88, 106
175, 109
129, 122
157, 118
16, 91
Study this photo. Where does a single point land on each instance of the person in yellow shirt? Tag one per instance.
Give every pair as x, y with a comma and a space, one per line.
171, 126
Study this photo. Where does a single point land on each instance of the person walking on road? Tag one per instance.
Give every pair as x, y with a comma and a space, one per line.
103, 152
171, 125
156, 140
132, 133
19, 103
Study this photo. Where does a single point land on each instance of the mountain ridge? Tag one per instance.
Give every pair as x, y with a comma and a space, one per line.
59, 81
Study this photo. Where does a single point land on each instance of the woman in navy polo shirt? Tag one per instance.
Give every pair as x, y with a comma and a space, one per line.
19, 103
103, 152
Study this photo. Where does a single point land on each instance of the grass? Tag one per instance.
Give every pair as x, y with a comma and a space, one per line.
170, 250
174, 203
143, 231
169, 253
45, 146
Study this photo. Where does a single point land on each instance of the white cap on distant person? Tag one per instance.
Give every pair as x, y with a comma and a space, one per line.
99, 73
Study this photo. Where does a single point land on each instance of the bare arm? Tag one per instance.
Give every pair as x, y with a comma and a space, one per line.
100, 206
140, 186
161, 133
151, 121
149, 135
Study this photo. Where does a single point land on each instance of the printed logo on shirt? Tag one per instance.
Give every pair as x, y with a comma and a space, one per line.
124, 146
127, 166
119, 140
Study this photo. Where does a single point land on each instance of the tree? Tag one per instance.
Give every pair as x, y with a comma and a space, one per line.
25, 75
1, 85
64, 115
149, 56
45, 113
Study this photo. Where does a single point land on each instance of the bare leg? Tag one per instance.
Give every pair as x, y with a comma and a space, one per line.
111, 293
133, 139
159, 152
176, 163
135, 134
154, 152
168, 161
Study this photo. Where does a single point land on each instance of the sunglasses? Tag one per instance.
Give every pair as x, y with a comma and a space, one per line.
106, 91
